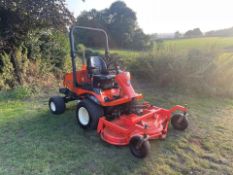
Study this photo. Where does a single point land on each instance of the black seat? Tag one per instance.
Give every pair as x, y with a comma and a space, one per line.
97, 65
99, 71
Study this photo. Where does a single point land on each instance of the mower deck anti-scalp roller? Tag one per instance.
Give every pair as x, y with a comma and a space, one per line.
107, 102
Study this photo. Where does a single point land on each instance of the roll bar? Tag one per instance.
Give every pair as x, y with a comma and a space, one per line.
72, 46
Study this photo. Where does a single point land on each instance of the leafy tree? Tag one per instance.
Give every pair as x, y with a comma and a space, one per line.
140, 40
20, 18
119, 21
177, 35
123, 23
193, 33
92, 18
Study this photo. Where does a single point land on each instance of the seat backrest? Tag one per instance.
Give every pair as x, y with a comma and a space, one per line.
98, 64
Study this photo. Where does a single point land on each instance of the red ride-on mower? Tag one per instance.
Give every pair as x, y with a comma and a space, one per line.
108, 103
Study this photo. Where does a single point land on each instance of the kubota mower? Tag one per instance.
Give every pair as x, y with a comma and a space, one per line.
107, 102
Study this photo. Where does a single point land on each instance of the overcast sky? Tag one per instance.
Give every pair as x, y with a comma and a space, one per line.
168, 16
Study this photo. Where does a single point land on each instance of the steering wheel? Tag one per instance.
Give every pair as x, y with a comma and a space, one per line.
115, 66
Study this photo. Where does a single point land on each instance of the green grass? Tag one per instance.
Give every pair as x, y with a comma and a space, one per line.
16, 93
126, 54
33, 141
182, 45
219, 42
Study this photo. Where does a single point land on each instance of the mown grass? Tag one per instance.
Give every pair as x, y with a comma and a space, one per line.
33, 141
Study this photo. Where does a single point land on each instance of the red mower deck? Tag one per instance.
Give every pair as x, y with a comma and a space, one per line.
153, 124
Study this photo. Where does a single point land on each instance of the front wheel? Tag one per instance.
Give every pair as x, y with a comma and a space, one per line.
139, 147
57, 105
88, 114
179, 122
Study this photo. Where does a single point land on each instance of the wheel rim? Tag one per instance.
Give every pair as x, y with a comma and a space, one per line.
53, 106
83, 116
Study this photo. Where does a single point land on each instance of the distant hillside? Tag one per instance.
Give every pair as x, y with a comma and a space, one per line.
157, 36
221, 32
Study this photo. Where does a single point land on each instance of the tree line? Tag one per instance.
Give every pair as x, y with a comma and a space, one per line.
196, 32
34, 36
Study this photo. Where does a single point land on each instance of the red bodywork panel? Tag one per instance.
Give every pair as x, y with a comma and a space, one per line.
125, 90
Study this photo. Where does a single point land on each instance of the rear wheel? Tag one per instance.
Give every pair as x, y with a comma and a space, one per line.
57, 105
179, 121
139, 147
88, 114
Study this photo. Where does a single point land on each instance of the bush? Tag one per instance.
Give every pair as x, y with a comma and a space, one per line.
204, 71
6, 72
42, 53
54, 48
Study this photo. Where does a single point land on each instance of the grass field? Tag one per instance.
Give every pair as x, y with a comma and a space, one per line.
225, 43
219, 42
33, 141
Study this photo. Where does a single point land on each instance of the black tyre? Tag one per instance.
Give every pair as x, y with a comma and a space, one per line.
179, 122
57, 105
88, 114
139, 147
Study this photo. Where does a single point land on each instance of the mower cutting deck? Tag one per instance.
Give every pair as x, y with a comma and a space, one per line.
152, 123
108, 103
